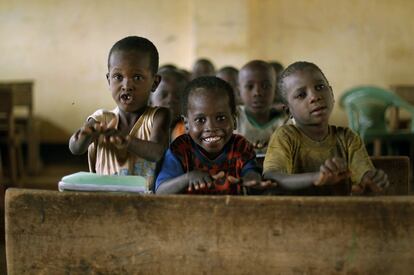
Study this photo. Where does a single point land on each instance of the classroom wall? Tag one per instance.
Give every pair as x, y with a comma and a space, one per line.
63, 45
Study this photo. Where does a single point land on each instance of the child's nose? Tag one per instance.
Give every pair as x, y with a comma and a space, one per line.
127, 84
314, 95
257, 91
211, 124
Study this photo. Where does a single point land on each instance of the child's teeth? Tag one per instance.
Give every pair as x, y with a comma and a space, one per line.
212, 139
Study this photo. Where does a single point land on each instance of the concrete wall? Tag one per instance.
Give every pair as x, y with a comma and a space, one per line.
63, 45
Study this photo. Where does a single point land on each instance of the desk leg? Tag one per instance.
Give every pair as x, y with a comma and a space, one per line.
33, 157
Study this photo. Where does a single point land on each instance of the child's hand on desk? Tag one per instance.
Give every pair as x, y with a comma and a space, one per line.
374, 181
253, 180
199, 180
332, 171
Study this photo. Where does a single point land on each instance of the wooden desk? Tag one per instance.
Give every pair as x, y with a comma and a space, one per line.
50, 232
23, 99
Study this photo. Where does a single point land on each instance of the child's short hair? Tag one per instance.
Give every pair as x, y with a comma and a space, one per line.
140, 44
260, 64
292, 68
277, 66
228, 70
208, 82
175, 73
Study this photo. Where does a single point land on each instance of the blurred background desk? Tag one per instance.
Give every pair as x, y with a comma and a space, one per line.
22, 92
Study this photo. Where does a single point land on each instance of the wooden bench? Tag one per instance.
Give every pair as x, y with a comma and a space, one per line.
48, 232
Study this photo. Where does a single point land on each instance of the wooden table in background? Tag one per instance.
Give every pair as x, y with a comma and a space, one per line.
23, 98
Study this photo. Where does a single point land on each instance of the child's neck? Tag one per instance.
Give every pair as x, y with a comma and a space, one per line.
260, 118
316, 133
127, 120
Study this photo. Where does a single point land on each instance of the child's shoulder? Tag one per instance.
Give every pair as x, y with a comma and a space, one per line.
181, 144
288, 130
238, 139
103, 115
342, 132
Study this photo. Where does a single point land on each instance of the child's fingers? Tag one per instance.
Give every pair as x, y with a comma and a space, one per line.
85, 131
250, 183
219, 175
268, 183
381, 179
374, 187
259, 185
232, 179
111, 124
340, 164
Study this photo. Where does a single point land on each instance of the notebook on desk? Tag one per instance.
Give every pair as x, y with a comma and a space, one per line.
86, 181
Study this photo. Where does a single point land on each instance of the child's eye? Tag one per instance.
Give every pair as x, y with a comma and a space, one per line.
265, 86
301, 95
138, 77
221, 118
200, 120
248, 87
320, 87
117, 77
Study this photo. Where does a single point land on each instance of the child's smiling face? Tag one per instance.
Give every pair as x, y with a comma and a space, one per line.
209, 120
130, 79
309, 97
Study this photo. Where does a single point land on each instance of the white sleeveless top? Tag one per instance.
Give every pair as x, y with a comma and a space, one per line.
106, 159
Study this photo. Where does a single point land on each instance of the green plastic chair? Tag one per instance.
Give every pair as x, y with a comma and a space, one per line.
366, 108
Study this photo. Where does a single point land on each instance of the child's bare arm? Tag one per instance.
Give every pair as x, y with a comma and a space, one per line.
194, 180
374, 181
80, 140
331, 171
153, 150
254, 180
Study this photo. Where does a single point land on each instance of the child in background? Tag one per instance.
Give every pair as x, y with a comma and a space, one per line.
131, 138
278, 68
168, 95
231, 75
203, 67
257, 119
209, 159
312, 157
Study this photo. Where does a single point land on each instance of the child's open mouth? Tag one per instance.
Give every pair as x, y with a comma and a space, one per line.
212, 139
126, 98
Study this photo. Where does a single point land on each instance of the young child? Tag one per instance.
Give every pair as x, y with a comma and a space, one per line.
203, 67
312, 157
257, 119
168, 95
231, 75
209, 159
278, 68
131, 138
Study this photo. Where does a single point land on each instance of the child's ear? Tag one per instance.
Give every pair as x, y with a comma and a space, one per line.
185, 124
333, 96
157, 80
107, 78
286, 110
235, 122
